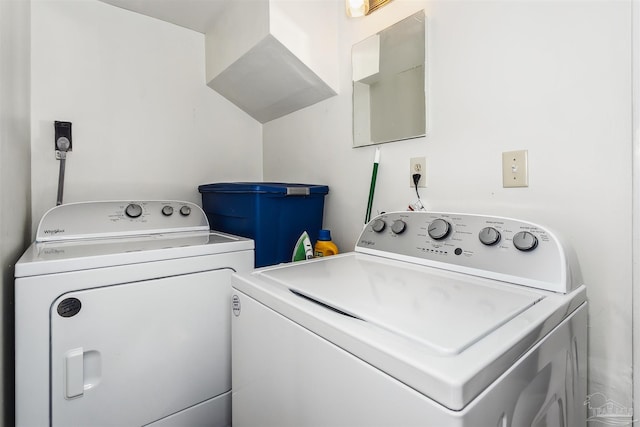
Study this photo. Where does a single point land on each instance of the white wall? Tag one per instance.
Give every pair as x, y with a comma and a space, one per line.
145, 125
636, 205
550, 77
15, 216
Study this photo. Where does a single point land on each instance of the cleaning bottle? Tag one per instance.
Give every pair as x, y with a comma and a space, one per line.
324, 246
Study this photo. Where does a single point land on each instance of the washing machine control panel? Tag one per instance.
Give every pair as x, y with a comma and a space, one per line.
494, 247
92, 220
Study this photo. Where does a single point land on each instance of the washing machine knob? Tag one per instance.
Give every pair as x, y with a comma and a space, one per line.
398, 226
167, 210
133, 210
439, 229
185, 210
378, 225
525, 241
489, 236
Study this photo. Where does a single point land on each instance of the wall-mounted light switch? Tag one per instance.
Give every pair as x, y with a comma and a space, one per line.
515, 171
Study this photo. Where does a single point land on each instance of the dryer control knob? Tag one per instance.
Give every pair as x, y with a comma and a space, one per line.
378, 225
185, 210
398, 226
133, 210
525, 241
439, 229
489, 236
167, 210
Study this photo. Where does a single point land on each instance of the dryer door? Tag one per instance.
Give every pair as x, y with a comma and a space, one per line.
133, 353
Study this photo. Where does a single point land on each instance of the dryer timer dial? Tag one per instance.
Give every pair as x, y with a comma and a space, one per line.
133, 210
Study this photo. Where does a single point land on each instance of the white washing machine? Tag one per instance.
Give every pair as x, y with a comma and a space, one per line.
435, 320
122, 317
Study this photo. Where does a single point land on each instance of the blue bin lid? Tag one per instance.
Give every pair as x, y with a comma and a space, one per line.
264, 187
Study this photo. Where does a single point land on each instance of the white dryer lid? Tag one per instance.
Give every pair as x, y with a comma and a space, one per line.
87, 235
445, 313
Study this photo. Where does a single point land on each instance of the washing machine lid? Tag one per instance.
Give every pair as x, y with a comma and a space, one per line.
449, 335
446, 314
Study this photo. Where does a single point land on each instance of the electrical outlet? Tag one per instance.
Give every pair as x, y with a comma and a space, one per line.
418, 165
63, 142
515, 171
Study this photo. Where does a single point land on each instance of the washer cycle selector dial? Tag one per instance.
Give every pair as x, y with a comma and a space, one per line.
378, 225
398, 226
185, 210
167, 210
489, 236
525, 241
439, 229
133, 210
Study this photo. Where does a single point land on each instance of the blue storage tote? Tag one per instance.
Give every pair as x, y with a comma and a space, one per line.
273, 214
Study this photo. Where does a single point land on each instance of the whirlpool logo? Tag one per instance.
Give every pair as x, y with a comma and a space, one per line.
54, 231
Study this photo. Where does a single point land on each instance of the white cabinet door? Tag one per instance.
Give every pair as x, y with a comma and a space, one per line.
130, 354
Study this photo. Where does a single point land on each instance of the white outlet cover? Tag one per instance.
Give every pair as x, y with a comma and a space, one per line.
418, 165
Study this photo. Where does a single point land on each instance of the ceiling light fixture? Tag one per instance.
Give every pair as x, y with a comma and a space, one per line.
356, 8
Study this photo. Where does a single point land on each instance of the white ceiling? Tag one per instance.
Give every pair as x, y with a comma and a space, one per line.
197, 15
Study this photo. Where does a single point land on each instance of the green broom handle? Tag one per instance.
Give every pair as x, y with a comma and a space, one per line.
372, 188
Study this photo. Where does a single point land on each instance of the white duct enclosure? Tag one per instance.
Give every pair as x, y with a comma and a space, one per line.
272, 57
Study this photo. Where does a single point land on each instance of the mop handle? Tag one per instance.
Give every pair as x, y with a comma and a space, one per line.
372, 188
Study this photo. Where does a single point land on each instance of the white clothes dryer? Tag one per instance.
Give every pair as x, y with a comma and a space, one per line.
122, 317
436, 319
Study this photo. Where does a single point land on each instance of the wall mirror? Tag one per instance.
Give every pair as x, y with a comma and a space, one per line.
389, 97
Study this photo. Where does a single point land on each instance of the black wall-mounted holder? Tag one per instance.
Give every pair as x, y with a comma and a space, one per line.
63, 141
63, 144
